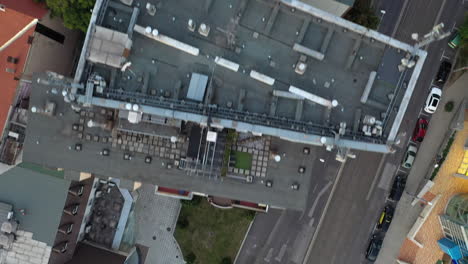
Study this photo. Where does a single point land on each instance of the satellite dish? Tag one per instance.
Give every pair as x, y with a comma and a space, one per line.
148, 30
135, 107
323, 140
173, 139
128, 106
415, 36
334, 103
34, 109
277, 158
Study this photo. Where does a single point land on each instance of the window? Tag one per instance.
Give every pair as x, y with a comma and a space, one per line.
69, 228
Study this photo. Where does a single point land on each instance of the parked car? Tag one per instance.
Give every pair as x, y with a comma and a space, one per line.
397, 188
455, 41
373, 248
443, 72
385, 218
420, 130
409, 156
433, 100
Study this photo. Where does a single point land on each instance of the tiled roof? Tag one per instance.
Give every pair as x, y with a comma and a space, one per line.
12, 22
27, 7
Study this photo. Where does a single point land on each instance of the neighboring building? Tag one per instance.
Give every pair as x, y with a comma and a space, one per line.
455, 227
36, 202
209, 99
335, 7
35, 51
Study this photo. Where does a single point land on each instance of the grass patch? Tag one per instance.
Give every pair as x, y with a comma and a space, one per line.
243, 160
211, 235
37, 168
444, 155
230, 140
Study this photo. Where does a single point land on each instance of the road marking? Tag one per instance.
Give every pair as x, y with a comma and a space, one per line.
311, 222
440, 12
443, 56
397, 24
322, 192
245, 237
281, 253
377, 174
327, 204
268, 256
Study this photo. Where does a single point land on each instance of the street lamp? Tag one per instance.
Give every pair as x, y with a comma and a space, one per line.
383, 12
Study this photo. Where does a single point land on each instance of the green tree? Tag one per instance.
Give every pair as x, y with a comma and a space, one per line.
363, 14
464, 32
75, 13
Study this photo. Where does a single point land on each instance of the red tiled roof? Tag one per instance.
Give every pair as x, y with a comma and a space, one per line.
12, 22
27, 7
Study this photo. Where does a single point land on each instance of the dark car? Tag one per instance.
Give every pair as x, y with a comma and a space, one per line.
397, 188
385, 218
443, 72
420, 130
373, 249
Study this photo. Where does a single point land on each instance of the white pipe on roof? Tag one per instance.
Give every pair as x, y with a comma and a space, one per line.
286, 94
168, 41
262, 77
19, 34
311, 97
370, 82
309, 52
227, 64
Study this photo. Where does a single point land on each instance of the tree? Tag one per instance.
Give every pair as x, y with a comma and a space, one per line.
75, 13
363, 14
464, 32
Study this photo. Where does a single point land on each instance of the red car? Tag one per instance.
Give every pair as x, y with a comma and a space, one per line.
420, 130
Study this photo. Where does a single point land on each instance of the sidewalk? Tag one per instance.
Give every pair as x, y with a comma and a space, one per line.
405, 214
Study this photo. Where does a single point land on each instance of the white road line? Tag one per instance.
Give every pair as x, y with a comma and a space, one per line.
322, 217
281, 253
268, 256
245, 237
311, 222
377, 175
322, 192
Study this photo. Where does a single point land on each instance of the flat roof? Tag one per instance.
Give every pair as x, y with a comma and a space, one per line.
40, 195
267, 38
55, 135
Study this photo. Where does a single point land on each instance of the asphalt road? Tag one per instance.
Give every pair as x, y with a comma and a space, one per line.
281, 236
345, 240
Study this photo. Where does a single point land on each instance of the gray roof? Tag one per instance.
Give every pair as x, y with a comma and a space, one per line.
346, 2
42, 196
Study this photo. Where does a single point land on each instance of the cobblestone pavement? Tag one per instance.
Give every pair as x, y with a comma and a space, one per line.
156, 218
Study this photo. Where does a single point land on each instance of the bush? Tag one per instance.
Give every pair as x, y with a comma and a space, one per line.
190, 258
226, 260
249, 214
449, 106
183, 222
196, 200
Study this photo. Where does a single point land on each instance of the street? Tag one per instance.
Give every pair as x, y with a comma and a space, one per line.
360, 195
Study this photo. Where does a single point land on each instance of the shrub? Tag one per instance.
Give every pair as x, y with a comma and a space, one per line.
183, 222
226, 260
449, 106
190, 258
196, 200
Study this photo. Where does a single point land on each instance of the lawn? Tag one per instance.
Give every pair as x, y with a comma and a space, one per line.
243, 160
210, 234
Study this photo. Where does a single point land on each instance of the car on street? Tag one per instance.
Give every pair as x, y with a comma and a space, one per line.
455, 41
373, 248
443, 72
410, 156
385, 218
397, 188
420, 130
433, 100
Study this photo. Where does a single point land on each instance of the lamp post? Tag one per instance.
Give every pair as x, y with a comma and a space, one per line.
383, 12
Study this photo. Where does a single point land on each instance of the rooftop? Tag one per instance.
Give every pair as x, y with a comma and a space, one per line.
13, 58
240, 71
41, 196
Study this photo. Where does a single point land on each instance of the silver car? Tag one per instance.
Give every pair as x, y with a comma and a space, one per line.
409, 156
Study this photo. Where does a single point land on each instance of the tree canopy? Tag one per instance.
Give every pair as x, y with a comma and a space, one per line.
75, 13
464, 32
